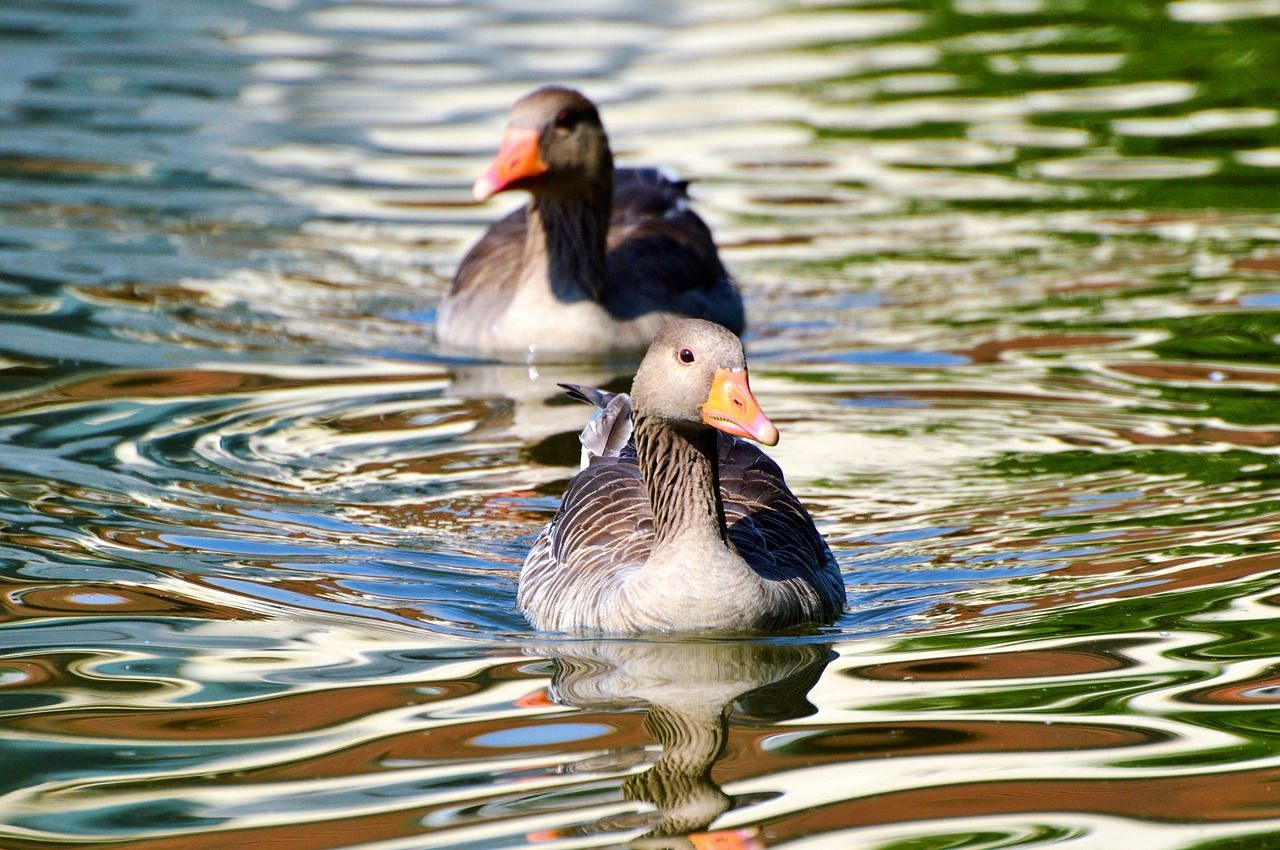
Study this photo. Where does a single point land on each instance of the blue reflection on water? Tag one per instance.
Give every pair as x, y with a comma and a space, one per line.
542, 734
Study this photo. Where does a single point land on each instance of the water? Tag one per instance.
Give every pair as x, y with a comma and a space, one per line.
1011, 271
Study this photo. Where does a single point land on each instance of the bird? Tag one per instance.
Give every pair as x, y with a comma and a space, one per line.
599, 259
676, 522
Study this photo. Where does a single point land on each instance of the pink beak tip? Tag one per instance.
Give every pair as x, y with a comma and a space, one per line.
766, 433
484, 188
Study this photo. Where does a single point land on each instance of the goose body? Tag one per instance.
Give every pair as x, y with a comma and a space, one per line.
598, 261
683, 526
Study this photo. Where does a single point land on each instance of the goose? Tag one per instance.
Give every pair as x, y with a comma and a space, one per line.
675, 523
599, 259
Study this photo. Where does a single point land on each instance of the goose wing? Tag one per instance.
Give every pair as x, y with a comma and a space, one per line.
662, 255
485, 282
603, 530
602, 533
773, 531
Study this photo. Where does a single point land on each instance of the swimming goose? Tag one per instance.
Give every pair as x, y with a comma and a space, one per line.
597, 262
683, 526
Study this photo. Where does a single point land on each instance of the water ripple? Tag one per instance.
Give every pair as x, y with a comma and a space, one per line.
1011, 273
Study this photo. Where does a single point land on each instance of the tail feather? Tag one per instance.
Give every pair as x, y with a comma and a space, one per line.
609, 431
591, 395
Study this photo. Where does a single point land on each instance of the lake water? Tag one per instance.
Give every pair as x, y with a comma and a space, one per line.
1012, 271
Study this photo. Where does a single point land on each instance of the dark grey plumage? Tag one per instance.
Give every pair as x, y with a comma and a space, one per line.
586, 570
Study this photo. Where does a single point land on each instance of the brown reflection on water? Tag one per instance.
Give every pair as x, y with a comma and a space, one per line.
151, 384
18, 165
1256, 691
290, 714
1000, 665
64, 671
196, 383
1203, 435
1266, 264
816, 745
1132, 579
332, 834
993, 351
26, 601
1211, 797
697, 696
1207, 374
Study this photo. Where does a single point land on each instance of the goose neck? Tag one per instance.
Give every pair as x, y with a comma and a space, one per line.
567, 242
681, 475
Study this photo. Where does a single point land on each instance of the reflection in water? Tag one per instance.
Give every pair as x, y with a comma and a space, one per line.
692, 692
529, 406
325, 736
1011, 281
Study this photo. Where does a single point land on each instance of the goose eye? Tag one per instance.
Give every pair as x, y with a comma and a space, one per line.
564, 119
686, 355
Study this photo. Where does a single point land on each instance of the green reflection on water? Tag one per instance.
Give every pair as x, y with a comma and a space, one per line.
1033, 836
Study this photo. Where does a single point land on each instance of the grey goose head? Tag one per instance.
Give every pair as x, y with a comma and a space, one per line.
694, 376
554, 145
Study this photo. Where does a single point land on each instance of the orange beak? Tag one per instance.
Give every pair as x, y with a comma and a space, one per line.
732, 408
518, 161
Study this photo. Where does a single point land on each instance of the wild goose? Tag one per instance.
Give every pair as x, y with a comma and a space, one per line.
674, 523
596, 263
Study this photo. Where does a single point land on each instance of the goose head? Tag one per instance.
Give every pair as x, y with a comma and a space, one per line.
694, 376
554, 145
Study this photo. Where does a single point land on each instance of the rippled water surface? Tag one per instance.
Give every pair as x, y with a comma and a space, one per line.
1011, 270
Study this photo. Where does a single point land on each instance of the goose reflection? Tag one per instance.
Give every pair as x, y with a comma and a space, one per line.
694, 691
525, 403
